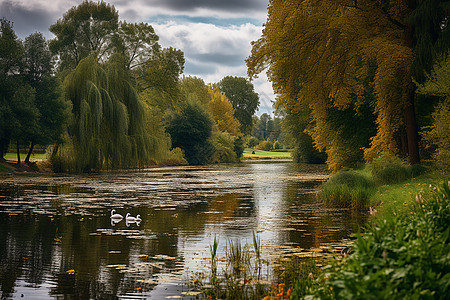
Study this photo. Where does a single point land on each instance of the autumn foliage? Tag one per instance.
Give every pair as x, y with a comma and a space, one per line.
319, 53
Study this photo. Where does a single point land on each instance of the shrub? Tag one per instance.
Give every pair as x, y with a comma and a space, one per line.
347, 189
174, 157
405, 258
224, 144
252, 142
389, 169
265, 145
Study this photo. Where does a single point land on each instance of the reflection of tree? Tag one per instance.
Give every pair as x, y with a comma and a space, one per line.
318, 224
231, 206
25, 250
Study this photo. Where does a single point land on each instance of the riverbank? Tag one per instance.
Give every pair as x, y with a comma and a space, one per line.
402, 254
35, 166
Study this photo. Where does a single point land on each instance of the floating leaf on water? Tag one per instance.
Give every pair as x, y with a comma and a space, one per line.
191, 293
71, 272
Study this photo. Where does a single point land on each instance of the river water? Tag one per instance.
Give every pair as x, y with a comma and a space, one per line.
57, 239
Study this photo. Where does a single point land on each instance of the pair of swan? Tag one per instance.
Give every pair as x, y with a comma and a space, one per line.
116, 218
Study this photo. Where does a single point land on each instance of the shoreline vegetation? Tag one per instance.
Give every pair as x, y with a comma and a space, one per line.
40, 164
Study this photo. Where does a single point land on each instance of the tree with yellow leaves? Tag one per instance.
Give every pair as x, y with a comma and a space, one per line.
318, 53
223, 113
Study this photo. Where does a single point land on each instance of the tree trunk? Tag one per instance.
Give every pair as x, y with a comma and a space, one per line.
411, 131
18, 152
410, 113
27, 159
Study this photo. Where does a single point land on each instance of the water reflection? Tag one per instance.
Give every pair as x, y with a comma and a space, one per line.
58, 239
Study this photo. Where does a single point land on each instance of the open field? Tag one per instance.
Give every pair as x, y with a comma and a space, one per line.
260, 154
13, 156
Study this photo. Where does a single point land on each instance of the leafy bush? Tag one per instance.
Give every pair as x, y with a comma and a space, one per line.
440, 136
174, 157
265, 145
252, 142
389, 169
347, 189
224, 144
405, 258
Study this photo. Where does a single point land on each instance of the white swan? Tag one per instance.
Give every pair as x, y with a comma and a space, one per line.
115, 216
131, 219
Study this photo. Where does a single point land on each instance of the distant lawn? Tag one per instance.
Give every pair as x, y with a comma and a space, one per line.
264, 154
13, 156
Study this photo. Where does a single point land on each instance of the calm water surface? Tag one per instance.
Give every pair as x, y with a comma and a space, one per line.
57, 239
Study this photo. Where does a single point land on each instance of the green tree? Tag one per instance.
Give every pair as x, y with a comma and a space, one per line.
53, 109
137, 42
11, 51
296, 126
261, 129
83, 29
438, 134
26, 116
159, 79
244, 99
190, 130
194, 89
109, 128
37, 61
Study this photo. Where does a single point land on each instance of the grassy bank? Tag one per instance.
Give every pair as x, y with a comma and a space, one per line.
261, 154
13, 156
403, 254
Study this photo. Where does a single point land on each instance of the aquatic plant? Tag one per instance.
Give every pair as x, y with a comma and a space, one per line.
347, 189
241, 278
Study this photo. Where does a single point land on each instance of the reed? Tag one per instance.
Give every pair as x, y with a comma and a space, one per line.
348, 189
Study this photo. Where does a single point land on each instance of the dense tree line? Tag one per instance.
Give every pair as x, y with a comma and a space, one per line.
349, 71
104, 94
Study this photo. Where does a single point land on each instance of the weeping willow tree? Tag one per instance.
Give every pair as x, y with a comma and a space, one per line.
109, 125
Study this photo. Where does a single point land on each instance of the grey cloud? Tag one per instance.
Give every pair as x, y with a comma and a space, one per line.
232, 60
199, 68
228, 5
26, 20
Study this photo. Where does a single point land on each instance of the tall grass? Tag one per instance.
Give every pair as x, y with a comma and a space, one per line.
347, 189
242, 276
403, 258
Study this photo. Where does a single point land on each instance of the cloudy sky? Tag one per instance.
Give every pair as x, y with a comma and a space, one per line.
214, 35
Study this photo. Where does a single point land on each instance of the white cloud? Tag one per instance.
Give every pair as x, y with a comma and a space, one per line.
214, 35
213, 52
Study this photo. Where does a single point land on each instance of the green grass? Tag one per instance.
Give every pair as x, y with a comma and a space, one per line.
264, 154
395, 199
348, 189
23, 155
